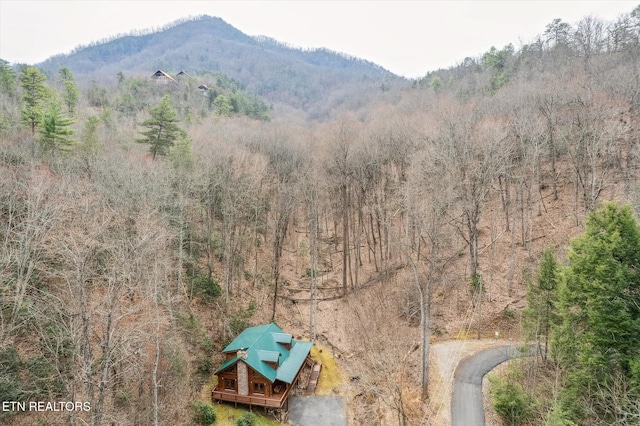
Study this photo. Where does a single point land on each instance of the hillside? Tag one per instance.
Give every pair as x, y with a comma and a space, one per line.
304, 79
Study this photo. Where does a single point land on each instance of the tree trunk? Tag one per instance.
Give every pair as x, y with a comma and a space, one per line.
181, 248
230, 267
281, 231
156, 363
314, 267
345, 238
424, 290
373, 238
86, 342
106, 365
506, 199
554, 173
473, 217
479, 291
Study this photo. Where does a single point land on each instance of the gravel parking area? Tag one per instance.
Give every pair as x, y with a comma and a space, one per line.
317, 411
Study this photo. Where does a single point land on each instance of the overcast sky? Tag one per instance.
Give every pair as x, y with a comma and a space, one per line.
408, 38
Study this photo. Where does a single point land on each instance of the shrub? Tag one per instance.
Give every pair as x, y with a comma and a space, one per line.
476, 284
177, 364
122, 397
207, 345
203, 413
11, 386
44, 379
510, 400
205, 287
205, 366
218, 247
202, 283
247, 419
508, 313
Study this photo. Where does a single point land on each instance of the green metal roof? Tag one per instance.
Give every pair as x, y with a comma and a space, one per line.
250, 337
265, 343
227, 364
268, 356
282, 337
290, 367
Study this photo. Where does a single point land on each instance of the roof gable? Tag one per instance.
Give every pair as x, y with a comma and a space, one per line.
282, 337
161, 74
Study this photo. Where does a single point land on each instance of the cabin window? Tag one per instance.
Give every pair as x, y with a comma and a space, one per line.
230, 384
258, 388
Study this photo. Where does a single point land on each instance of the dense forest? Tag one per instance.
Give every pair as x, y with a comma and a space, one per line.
144, 224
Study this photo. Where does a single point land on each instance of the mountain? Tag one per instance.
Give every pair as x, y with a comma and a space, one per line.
304, 79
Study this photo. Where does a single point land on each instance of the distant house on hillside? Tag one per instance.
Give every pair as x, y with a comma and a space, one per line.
182, 74
263, 365
203, 89
162, 77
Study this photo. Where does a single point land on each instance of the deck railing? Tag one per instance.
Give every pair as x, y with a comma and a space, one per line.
263, 401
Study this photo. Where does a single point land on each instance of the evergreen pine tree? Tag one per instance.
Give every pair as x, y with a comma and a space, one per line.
597, 343
55, 131
222, 106
180, 155
162, 130
540, 312
71, 92
34, 93
7, 79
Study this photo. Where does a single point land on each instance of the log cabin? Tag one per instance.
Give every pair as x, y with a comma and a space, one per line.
262, 365
203, 89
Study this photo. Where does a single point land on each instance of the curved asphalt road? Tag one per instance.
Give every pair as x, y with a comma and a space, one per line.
466, 402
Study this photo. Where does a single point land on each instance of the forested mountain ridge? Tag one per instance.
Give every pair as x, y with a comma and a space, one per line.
280, 73
144, 225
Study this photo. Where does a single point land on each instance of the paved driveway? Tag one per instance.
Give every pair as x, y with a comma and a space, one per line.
466, 403
317, 411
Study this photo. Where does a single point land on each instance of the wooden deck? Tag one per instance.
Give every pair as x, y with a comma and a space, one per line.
313, 379
273, 401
